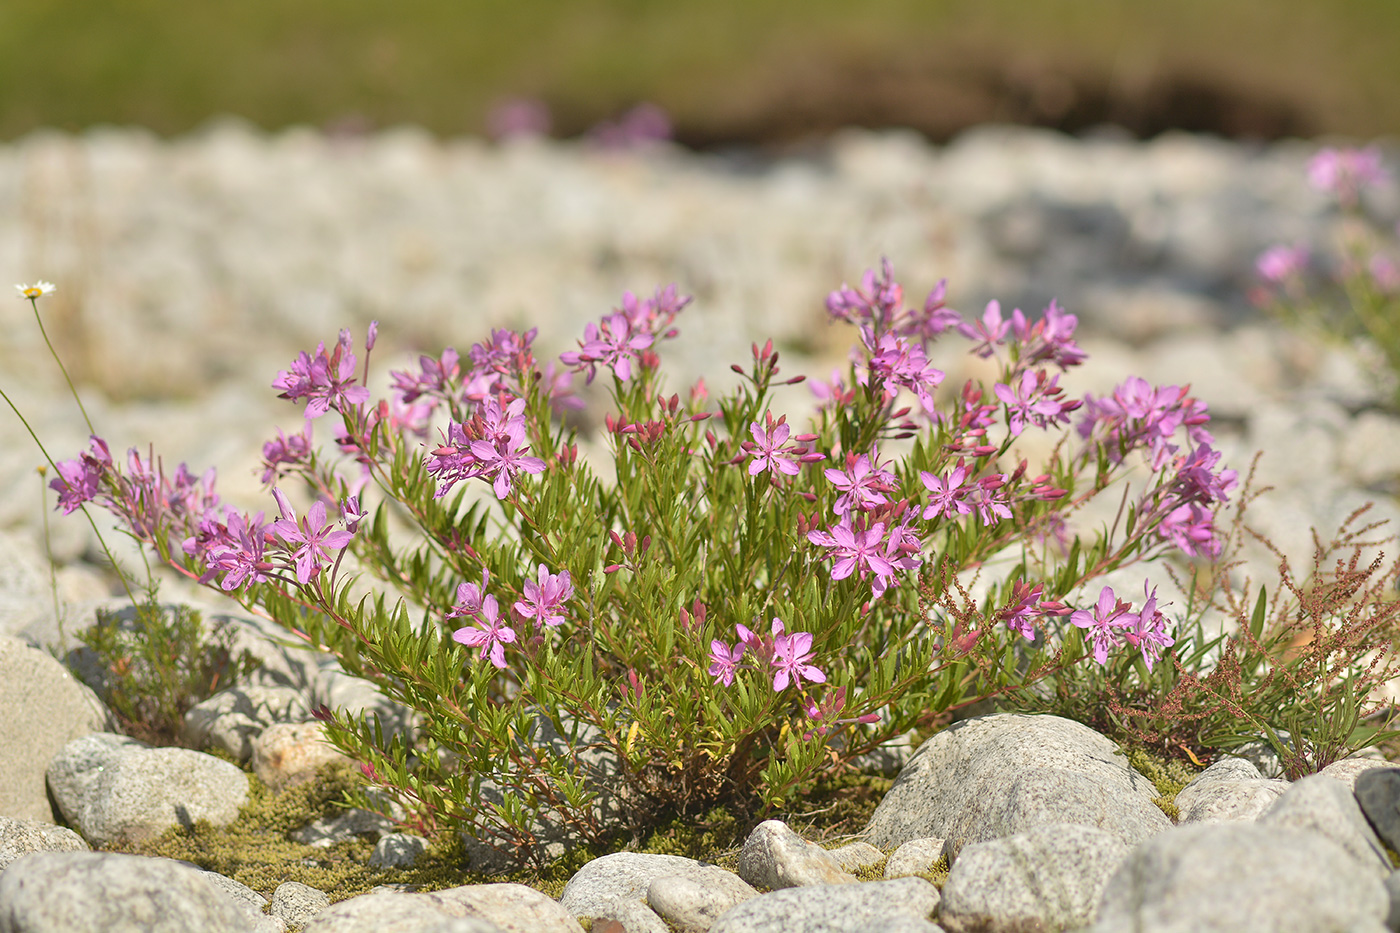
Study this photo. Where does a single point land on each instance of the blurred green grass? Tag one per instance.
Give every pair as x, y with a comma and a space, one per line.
723, 68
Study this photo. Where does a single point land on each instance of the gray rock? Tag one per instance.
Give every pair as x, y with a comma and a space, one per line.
397, 850
855, 856
619, 876
915, 857
42, 708
1349, 769
297, 903
285, 753
900, 925
1319, 804
633, 916
252, 904
1222, 877
1230, 789
20, 837
231, 719
1262, 755
110, 790
776, 857
1049, 879
1392, 890
998, 775
691, 901
100, 892
1377, 792
828, 908
497, 908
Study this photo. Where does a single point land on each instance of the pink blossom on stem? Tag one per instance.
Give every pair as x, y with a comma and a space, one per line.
863, 483
791, 652
990, 330
1345, 173
724, 661
951, 496
490, 635
326, 381
1147, 630
285, 450
856, 548
311, 538
543, 597
1280, 264
771, 450
79, 480
613, 343
1103, 622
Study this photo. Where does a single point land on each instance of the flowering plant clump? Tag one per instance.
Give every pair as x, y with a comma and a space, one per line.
1350, 286
733, 609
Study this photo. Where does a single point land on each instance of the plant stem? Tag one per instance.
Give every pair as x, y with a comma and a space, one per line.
34, 303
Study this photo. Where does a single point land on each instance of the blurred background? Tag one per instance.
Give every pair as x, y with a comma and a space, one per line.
727, 72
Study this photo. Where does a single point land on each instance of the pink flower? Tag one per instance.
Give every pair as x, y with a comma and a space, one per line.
285, 450
1147, 630
490, 635
1102, 622
1344, 173
990, 331
770, 448
327, 381
857, 548
80, 480
790, 656
1279, 264
312, 536
724, 661
951, 496
612, 342
863, 484
543, 597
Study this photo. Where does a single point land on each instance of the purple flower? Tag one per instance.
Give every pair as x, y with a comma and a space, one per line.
897, 361
724, 661
1279, 264
1191, 527
1147, 630
1020, 614
311, 535
239, 556
612, 342
770, 448
1197, 479
435, 378
990, 331
1049, 339
490, 446
1344, 173
856, 548
951, 496
1035, 399
991, 501
490, 635
1103, 622
326, 381
790, 656
543, 597
285, 450
351, 513
470, 596
79, 480
863, 483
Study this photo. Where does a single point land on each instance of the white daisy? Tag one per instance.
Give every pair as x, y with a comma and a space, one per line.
37, 290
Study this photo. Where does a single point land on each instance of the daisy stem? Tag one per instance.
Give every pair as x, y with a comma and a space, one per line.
34, 303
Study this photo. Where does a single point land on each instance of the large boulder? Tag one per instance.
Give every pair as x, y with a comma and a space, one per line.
1008, 773
43, 707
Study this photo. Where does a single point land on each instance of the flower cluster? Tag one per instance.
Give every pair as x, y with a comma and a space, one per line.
1112, 623
785, 655
620, 340
540, 604
490, 446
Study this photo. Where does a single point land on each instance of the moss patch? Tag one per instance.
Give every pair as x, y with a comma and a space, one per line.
257, 850
1168, 775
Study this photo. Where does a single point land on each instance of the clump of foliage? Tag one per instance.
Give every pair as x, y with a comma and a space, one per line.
151, 662
1302, 668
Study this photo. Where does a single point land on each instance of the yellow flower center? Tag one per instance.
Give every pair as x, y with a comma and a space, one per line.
33, 292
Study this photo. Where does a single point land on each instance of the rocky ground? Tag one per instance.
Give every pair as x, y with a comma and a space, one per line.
189, 272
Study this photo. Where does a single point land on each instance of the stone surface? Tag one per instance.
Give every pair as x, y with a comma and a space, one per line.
250, 903
691, 901
775, 857
915, 857
20, 837
1224, 877
1230, 789
397, 850
855, 856
99, 892
231, 719
326, 832
1050, 878
998, 775
112, 788
495, 908
619, 876
627, 915
1349, 769
838, 908
1378, 793
1325, 806
42, 708
285, 754
296, 903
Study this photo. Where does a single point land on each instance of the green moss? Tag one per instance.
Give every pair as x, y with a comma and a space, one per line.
257, 849
1169, 776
